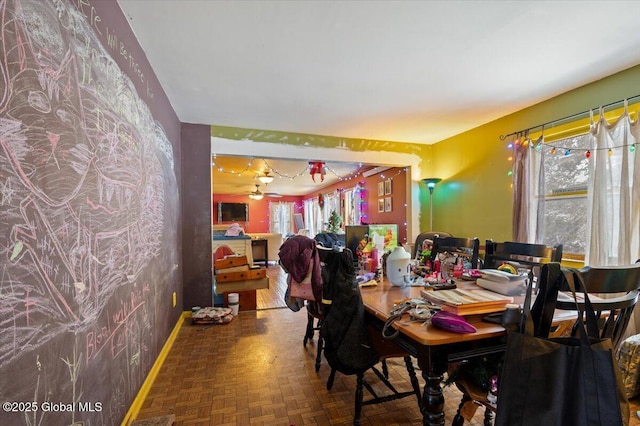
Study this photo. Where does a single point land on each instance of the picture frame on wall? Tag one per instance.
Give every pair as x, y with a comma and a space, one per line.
387, 187
380, 189
387, 204
380, 205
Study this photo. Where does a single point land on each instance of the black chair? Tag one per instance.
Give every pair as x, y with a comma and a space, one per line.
612, 313
525, 254
615, 290
426, 236
314, 323
530, 256
349, 346
469, 247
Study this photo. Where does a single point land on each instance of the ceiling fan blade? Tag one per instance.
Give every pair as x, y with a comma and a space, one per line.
272, 195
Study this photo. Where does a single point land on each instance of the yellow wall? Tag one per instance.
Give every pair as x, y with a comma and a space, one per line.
474, 199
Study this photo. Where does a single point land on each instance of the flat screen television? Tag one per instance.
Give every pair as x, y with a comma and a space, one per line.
233, 212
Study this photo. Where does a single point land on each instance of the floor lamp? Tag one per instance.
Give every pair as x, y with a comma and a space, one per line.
431, 183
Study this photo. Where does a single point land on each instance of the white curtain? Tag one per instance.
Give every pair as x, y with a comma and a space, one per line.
614, 193
312, 216
528, 192
281, 218
352, 206
613, 196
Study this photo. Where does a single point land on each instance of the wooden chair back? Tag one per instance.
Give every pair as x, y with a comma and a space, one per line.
523, 253
417, 247
615, 292
468, 246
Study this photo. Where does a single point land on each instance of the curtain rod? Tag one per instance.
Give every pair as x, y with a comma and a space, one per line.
635, 97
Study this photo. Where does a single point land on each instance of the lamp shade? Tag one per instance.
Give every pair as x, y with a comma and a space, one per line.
431, 182
266, 179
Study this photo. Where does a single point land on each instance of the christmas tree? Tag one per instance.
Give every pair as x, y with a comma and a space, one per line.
335, 220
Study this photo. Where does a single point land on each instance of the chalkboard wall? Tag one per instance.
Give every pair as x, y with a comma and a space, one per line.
89, 213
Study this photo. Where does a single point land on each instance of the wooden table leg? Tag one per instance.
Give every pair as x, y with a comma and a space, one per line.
432, 399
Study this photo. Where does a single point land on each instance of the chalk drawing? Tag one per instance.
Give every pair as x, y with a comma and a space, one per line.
88, 196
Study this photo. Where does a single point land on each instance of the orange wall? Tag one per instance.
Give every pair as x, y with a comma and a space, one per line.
258, 210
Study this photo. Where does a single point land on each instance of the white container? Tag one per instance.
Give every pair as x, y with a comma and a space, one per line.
399, 267
233, 299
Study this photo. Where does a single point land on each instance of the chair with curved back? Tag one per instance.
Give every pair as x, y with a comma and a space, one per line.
466, 246
426, 236
530, 256
615, 292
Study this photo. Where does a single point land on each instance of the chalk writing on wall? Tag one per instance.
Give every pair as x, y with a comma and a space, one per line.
88, 217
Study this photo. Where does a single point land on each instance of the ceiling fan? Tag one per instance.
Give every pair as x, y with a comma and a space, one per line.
258, 195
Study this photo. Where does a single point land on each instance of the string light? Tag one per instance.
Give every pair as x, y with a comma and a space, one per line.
304, 171
538, 146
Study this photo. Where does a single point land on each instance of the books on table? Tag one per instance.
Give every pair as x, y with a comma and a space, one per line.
467, 302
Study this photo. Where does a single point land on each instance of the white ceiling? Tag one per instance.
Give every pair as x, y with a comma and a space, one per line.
237, 175
410, 71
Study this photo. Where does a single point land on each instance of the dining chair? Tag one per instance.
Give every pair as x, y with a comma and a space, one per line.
417, 247
529, 256
613, 292
469, 247
315, 317
350, 346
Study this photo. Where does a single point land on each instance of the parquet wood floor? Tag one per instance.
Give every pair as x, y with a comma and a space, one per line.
255, 371
273, 297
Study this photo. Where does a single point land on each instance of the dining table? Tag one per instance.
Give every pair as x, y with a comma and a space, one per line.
433, 348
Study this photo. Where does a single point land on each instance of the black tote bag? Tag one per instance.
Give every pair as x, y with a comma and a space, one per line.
560, 381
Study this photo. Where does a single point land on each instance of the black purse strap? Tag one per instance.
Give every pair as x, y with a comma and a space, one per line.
572, 276
538, 318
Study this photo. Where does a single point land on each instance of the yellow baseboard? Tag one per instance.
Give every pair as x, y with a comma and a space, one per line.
153, 373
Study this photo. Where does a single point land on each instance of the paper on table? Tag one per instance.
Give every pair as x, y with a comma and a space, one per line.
509, 288
498, 275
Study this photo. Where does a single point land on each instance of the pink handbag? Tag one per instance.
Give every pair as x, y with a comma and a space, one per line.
302, 290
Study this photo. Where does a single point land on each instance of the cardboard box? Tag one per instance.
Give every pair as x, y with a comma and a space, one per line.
230, 261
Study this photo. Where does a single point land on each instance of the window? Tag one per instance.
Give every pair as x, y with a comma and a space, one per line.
352, 206
281, 214
566, 175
